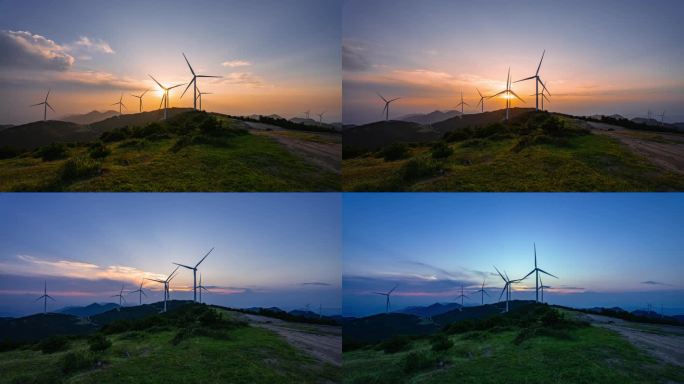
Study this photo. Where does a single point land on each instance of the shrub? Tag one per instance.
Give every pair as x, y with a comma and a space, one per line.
181, 143
77, 361
99, 151
8, 152
417, 169
53, 344
133, 143
54, 151
80, 167
395, 344
396, 151
99, 343
415, 361
116, 135
441, 150
458, 135
441, 342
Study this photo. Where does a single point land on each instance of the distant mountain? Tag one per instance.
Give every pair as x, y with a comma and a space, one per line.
432, 310
90, 117
430, 118
90, 310
644, 120
376, 328
272, 309
614, 116
478, 312
304, 120
36, 327
302, 313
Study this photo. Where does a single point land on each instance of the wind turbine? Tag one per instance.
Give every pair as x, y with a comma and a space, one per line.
542, 286
507, 286
387, 295
201, 287
307, 113
120, 104
140, 293
165, 97
537, 80
483, 292
387, 104
45, 295
461, 296
166, 285
194, 273
320, 117
120, 296
482, 99
508, 92
199, 95
461, 104
140, 97
536, 272
193, 81
45, 105
662, 118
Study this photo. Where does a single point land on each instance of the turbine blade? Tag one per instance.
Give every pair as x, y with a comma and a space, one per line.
208, 76
500, 93
478, 92
503, 290
186, 88
540, 61
497, 270
527, 78
383, 99
170, 88
182, 265
189, 66
514, 94
395, 287
205, 256
394, 99
528, 275
48, 95
155, 80
543, 271
33, 105
162, 100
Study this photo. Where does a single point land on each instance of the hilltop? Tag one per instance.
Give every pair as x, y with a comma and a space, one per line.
430, 118
90, 117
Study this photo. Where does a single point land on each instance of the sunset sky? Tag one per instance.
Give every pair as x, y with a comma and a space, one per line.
278, 57
270, 249
607, 249
602, 57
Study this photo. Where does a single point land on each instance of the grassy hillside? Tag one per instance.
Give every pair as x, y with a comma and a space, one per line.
190, 152
535, 152
537, 346
193, 345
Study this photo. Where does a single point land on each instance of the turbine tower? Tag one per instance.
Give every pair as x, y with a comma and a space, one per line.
166, 285
536, 272
194, 273
542, 286
201, 287
45, 105
662, 118
507, 286
193, 81
140, 293
482, 291
387, 104
537, 80
507, 93
120, 104
165, 97
199, 95
320, 117
140, 97
482, 99
387, 296
45, 295
461, 296
120, 296
461, 104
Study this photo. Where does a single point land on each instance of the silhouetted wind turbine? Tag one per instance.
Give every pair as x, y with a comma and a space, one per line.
536, 272
387, 295
662, 118
542, 286
508, 92
140, 293
194, 273
165, 97
140, 97
45, 105
537, 80
482, 99
461, 296
387, 104
193, 81
199, 95
320, 116
45, 295
120, 104
482, 291
166, 285
120, 296
461, 104
201, 287
507, 286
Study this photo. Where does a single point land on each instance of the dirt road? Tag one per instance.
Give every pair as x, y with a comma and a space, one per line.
665, 342
663, 149
323, 342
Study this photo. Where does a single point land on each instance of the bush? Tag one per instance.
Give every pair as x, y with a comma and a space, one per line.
395, 344
396, 151
53, 344
8, 152
441, 342
417, 169
415, 361
80, 167
99, 151
133, 143
458, 135
99, 343
181, 143
441, 150
115, 135
54, 151
77, 361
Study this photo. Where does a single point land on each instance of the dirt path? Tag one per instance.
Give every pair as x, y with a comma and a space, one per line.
323, 342
663, 149
665, 342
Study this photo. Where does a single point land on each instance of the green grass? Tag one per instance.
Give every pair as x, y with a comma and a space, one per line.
242, 355
589, 355
584, 163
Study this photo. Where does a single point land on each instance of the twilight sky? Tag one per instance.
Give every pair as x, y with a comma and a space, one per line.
275, 56
607, 249
270, 249
602, 57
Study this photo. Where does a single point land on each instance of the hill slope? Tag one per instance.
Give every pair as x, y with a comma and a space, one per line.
39, 133
90, 117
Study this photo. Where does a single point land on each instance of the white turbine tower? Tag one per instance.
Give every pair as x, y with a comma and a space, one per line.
387, 104
461, 296
165, 97
537, 80
662, 118
482, 291
193, 81
166, 285
461, 104
507, 286
542, 286
120, 296
536, 272
201, 287
45, 105
45, 297
120, 104
482, 99
507, 93
194, 273
320, 117
140, 97
140, 293
199, 96
387, 296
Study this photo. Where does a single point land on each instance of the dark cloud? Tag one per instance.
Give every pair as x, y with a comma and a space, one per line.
317, 283
21, 49
651, 282
354, 58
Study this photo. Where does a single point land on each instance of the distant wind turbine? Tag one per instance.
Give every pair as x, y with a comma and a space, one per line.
387, 296
193, 81
140, 97
482, 291
542, 286
482, 99
507, 93
165, 97
45, 295
320, 117
307, 113
166, 285
461, 104
662, 118
120, 104
507, 286
201, 287
194, 273
536, 272
140, 293
537, 80
199, 95
120, 296
461, 296
387, 104
45, 105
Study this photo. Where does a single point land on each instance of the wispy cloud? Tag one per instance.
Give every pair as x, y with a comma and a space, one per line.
354, 57
651, 282
318, 283
241, 78
236, 63
93, 45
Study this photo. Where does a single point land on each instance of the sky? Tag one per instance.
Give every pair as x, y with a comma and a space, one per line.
269, 249
275, 56
602, 57
607, 250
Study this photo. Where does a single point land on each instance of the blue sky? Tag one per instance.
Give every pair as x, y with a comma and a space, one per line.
606, 249
275, 56
270, 249
605, 57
